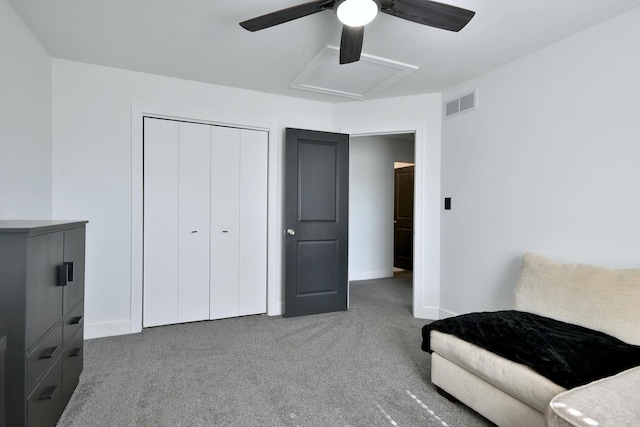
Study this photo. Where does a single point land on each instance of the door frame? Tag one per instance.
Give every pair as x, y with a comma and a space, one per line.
426, 214
274, 207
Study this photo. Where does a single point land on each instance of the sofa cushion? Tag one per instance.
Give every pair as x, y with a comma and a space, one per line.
599, 298
611, 401
513, 378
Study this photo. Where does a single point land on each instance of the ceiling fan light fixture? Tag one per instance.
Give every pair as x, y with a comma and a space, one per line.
356, 13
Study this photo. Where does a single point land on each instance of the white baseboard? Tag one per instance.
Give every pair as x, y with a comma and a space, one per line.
101, 330
446, 313
434, 313
368, 275
427, 312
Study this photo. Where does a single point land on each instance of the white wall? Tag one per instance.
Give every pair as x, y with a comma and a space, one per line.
422, 114
371, 196
92, 161
25, 121
549, 163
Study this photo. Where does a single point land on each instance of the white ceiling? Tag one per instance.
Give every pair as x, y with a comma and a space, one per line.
201, 39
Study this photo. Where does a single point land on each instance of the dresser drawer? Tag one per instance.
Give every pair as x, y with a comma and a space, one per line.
43, 355
73, 323
44, 405
72, 362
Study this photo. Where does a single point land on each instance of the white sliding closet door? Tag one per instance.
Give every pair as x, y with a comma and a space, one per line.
176, 222
160, 222
238, 222
225, 222
253, 223
194, 207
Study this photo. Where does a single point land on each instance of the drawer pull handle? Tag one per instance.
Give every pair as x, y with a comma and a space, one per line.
48, 392
69, 271
49, 352
76, 320
63, 271
75, 352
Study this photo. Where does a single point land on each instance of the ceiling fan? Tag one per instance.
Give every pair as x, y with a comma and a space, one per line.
355, 14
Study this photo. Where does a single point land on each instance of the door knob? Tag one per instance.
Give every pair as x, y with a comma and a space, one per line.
291, 232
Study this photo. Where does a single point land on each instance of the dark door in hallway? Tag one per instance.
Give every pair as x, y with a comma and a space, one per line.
403, 219
316, 222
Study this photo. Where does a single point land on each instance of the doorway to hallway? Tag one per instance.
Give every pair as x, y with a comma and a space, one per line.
372, 205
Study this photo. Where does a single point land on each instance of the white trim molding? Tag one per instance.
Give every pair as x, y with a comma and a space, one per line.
369, 275
99, 330
446, 313
274, 206
425, 312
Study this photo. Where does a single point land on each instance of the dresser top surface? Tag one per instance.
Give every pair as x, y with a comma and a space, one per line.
37, 226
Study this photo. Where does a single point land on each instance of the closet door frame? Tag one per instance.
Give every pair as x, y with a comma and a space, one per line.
274, 210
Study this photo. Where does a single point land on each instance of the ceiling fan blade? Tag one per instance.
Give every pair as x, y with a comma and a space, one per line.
286, 15
351, 44
429, 13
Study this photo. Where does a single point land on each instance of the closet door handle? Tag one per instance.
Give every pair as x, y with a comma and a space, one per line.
75, 352
76, 320
49, 352
69, 271
48, 392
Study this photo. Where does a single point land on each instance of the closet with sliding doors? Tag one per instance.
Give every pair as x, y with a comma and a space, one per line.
205, 222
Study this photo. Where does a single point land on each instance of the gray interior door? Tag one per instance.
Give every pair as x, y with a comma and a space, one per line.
316, 222
403, 219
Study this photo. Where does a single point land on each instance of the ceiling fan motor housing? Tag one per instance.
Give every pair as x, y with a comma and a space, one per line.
356, 13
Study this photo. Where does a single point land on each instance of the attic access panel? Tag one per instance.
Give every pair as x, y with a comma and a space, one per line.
357, 80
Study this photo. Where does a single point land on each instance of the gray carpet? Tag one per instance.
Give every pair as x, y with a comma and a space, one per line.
363, 367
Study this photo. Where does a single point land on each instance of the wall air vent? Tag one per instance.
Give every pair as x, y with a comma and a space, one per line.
462, 104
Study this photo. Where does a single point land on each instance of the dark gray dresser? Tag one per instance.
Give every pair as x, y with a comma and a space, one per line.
41, 315
3, 347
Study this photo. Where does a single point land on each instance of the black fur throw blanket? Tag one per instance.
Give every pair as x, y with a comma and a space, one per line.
567, 354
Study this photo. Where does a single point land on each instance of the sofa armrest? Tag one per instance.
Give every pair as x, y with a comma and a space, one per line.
611, 401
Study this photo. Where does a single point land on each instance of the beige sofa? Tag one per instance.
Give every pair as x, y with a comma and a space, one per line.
511, 394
